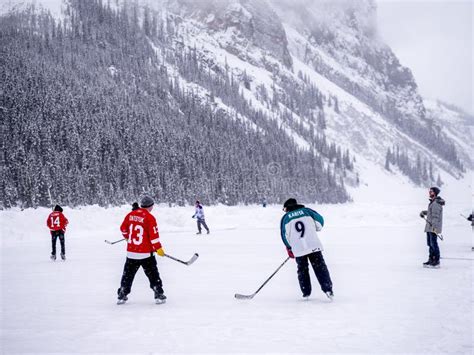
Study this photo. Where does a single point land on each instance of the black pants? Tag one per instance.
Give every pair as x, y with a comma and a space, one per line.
432, 241
203, 222
320, 269
54, 237
130, 269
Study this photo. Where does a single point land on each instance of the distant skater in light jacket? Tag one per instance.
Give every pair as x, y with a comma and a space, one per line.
299, 227
199, 215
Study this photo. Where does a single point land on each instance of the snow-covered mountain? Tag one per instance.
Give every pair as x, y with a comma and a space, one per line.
305, 85
371, 101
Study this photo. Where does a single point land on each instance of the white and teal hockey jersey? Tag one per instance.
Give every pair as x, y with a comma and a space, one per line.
299, 231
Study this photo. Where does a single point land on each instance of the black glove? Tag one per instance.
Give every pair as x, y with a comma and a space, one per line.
423, 214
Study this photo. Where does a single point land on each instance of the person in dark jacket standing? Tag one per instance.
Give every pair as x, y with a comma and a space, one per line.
434, 226
470, 219
299, 227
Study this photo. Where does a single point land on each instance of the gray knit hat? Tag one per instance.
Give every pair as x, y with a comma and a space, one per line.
146, 201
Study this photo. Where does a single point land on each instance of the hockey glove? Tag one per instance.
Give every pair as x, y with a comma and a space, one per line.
160, 252
290, 253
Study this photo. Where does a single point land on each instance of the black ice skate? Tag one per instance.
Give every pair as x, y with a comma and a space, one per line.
330, 295
160, 298
122, 300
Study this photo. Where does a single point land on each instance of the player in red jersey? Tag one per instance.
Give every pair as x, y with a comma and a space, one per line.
57, 224
141, 231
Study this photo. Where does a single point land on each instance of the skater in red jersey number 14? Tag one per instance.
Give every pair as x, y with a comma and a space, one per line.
57, 224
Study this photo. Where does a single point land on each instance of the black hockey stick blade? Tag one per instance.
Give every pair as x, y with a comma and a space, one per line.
115, 242
189, 262
193, 259
244, 297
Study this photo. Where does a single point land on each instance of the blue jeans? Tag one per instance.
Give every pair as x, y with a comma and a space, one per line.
54, 237
432, 241
203, 222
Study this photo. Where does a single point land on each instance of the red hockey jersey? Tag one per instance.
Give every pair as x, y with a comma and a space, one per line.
140, 229
57, 221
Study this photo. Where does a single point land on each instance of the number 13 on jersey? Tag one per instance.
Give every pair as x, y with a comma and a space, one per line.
135, 234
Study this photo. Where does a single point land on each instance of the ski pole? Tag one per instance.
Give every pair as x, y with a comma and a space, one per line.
246, 297
189, 262
438, 235
114, 242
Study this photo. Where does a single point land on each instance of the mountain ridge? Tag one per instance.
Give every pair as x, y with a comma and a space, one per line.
214, 58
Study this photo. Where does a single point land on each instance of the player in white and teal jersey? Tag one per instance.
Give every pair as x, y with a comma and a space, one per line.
299, 227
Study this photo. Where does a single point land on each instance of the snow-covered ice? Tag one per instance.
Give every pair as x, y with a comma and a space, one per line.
385, 302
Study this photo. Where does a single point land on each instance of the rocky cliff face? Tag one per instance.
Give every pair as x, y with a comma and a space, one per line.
239, 26
339, 40
281, 49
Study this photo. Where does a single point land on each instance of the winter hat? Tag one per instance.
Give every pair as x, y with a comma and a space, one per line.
291, 202
436, 190
58, 208
146, 201
135, 206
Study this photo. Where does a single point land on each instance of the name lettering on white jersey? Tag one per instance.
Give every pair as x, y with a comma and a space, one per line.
295, 214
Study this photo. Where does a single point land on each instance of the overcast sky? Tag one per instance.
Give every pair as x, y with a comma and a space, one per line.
434, 39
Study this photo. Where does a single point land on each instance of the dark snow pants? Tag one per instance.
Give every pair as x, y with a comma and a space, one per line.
432, 241
320, 269
130, 269
54, 238
203, 222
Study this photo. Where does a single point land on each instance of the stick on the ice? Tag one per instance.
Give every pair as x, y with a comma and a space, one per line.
440, 236
189, 262
114, 242
468, 259
247, 297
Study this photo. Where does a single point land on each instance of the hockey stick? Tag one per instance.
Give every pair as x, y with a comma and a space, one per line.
249, 297
468, 259
189, 262
114, 242
440, 236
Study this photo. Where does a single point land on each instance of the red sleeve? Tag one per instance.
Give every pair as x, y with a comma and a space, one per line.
152, 229
64, 222
47, 221
124, 227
